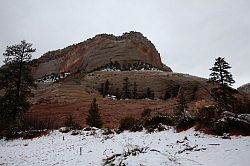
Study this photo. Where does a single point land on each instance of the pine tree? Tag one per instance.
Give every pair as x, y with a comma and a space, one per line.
16, 80
222, 79
181, 104
101, 90
94, 117
117, 94
135, 95
126, 89
150, 94
166, 95
107, 87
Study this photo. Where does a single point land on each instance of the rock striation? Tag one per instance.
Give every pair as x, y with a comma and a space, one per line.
70, 78
94, 53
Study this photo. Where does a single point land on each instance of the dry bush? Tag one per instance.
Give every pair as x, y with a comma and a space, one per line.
157, 119
34, 123
71, 124
130, 123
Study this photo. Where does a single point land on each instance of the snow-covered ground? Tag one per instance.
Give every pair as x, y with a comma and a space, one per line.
139, 148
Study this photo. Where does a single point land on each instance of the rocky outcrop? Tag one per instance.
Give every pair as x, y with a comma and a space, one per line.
244, 88
231, 121
99, 51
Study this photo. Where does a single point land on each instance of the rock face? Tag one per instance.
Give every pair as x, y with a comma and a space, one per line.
230, 121
157, 87
130, 48
245, 88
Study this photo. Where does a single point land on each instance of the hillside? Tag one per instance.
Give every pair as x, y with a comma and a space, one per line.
68, 79
73, 95
245, 88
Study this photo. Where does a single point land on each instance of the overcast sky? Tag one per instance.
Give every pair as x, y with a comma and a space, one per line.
188, 34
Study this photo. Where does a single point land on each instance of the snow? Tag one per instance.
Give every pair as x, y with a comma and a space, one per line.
142, 69
160, 148
110, 69
53, 77
112, 97
244, 118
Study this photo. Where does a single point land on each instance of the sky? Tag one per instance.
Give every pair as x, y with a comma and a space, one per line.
189, 35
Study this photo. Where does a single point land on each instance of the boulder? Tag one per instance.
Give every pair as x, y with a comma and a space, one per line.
229, 121
64, 129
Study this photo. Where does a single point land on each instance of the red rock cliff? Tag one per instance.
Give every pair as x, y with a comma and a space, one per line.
96, 52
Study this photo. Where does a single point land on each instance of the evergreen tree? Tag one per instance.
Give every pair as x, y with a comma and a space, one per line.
94, 117
117, 94
126, 89
222, 79
181, 104
101, 90
150, 94
166, 95
117, 65
135, 95
105, 88
16, 80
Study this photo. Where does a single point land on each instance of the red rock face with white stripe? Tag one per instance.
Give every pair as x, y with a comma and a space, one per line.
129, 48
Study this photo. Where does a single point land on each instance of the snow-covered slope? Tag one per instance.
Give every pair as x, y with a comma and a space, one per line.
140, 148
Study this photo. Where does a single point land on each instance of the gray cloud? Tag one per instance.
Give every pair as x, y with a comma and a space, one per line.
188, 34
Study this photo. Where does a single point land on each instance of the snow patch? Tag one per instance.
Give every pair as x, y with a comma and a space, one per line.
130, 148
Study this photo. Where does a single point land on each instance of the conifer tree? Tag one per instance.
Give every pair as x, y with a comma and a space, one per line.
181, 104
222, 79
94, 117
166, 95
101, 90
16, 80
105, 88
150, 94
117, 93
135, 95
126, 89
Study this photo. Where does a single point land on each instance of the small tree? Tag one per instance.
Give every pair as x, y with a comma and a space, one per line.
16, 81
222, 79
94, 117
181, 104
166, 95
117, 93
101, 90
146, 112
126, 89
135, 95
150, 94
70, 123
105, 88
